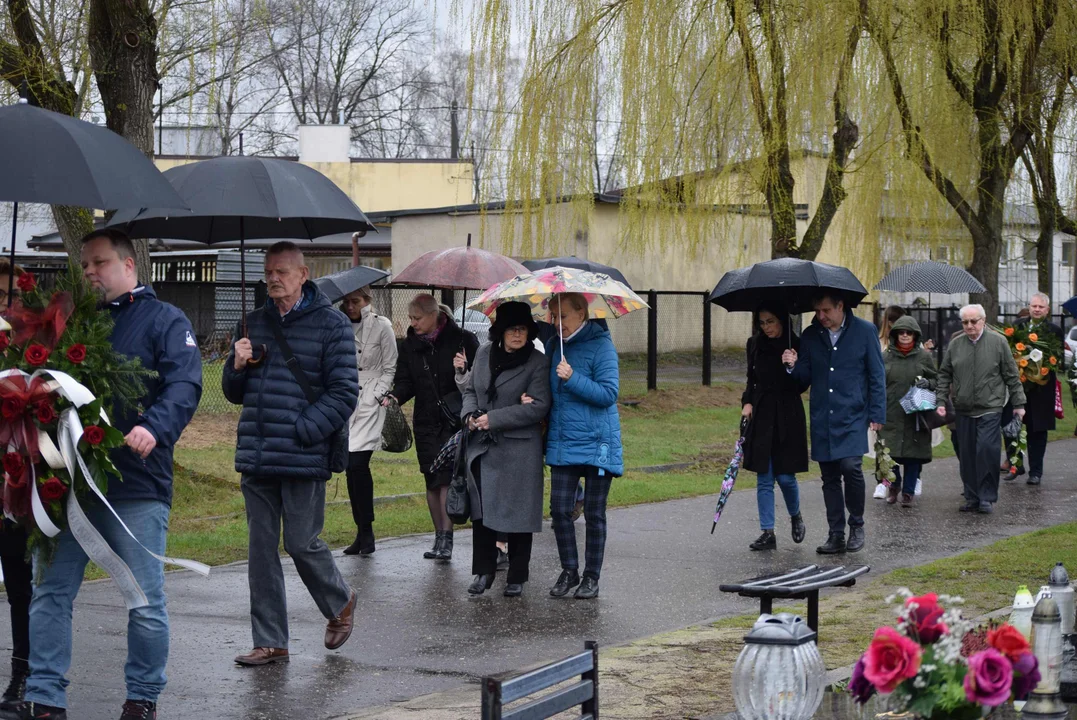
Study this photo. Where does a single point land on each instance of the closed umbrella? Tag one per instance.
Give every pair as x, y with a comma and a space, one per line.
243, 198
572, 261
59, 160
730, 477
339, 284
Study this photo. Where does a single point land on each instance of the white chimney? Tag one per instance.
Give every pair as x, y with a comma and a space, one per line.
324, 143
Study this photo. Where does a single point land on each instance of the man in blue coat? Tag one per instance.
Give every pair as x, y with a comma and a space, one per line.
284, 444
840, 359
162, 338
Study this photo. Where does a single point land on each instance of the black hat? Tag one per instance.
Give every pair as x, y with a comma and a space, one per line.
511, 314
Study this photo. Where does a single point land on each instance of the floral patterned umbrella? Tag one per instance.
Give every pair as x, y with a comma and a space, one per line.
730, 477
606, 297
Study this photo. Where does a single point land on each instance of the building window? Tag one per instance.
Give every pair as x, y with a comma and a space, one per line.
941, 254
1030, 255
1067, 253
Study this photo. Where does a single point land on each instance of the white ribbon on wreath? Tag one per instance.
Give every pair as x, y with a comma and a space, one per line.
69, 432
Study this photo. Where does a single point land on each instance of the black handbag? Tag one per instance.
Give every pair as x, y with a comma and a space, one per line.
458, 499
338, 441
395, 434
449, 405
931, 418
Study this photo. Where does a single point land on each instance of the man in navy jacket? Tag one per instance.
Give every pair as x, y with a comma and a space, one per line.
840, 359
161, 336
284, 444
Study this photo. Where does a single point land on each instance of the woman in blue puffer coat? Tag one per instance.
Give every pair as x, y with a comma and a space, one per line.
584, 437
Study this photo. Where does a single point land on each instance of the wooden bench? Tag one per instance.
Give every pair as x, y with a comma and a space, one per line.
805, 582
497, 693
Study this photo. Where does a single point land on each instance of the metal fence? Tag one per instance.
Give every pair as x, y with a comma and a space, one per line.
670, 344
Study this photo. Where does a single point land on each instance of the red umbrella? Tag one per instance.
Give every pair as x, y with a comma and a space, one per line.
460, 268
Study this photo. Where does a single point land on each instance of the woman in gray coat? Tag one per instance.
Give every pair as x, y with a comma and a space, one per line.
504, 405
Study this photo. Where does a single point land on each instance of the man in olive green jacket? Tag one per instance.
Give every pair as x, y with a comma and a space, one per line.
979, 368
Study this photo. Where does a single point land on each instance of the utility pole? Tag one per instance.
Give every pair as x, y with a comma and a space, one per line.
454, 133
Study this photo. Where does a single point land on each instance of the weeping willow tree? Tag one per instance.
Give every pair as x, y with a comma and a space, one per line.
920, 108
991, 59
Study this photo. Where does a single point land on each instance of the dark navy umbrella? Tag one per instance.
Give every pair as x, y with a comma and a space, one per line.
929, 276
241, 198
788, 283
1070, 306
339, 284
58, 160
572, 261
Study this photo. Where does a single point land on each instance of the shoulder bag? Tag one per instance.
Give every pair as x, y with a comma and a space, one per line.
338, 441
450, 405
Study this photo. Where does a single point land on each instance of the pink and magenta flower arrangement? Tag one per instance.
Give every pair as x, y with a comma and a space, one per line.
927, 665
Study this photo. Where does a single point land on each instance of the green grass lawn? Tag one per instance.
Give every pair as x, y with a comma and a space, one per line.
693, 425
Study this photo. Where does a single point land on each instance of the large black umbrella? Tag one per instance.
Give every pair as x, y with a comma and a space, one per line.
339, 284
929, 276
59, 160
788, 283
242, 198
572, 261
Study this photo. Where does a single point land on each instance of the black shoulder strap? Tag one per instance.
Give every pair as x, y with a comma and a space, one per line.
289, 359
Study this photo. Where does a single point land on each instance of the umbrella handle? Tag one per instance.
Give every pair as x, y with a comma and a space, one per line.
256, 359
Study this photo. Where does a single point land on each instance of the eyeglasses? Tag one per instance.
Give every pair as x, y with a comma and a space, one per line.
516, 329
977, 321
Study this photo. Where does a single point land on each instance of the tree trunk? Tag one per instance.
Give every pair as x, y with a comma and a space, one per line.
123, 54
987, 244
73, 223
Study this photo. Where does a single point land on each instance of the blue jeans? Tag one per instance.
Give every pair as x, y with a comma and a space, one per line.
912, 474
764, 495
147, 627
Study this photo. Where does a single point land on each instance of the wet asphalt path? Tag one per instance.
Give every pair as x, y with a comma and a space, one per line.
418, 631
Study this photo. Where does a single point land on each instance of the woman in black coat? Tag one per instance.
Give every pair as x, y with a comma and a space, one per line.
424, 371
776, 445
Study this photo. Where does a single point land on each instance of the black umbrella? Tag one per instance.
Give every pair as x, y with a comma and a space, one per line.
929, 276
243, 198
58, 160
578, 263
339, 284
785, 282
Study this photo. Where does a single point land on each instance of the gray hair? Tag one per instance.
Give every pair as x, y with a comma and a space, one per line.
286, 247
977, 308
1042, 296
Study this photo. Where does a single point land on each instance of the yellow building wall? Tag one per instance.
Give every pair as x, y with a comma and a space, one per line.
385, 186
602, 235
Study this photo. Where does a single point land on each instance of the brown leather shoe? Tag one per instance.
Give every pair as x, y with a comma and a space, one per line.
263, 656
892, 495
339, 628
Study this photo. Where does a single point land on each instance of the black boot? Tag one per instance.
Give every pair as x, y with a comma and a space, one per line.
856, 539
353, 549
446, 546
366, 539
567, 580
766, 541
139, 710
480, 584
435, 552
799, 531
834, 545
20, 670
32, 711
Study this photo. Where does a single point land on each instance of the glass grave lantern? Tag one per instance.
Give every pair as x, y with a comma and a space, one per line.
779, 674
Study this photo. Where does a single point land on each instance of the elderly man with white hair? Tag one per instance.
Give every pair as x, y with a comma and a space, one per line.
1040, 405
979, 368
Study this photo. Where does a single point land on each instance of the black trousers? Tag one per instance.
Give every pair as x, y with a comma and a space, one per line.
837, 500
1037, 448
484, 553
979, 440
18, 582
361, 488
484, 545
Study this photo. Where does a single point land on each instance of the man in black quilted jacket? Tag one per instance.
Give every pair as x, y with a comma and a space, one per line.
283, 447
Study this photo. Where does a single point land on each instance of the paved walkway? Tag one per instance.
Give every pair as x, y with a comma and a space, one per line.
418, 631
